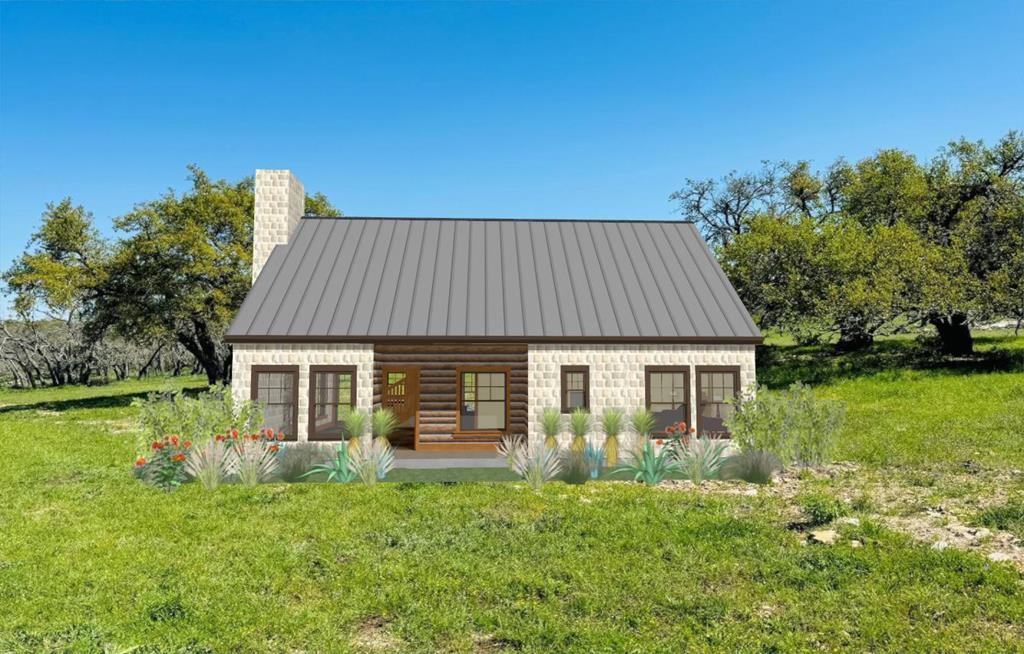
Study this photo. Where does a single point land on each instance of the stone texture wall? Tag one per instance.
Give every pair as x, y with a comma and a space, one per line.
246, 355
280, 203
617, 372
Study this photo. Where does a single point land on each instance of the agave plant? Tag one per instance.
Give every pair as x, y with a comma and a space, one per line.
210, 463
650, 466
355, 426
594, 458
339, 468
580, 424
255, 461
383, 423
535, 463
551, 425
612, 422
701, 458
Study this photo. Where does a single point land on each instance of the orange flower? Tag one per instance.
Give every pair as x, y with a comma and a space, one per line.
141, 461
693, 430
219, 437
187, 444
659, 442
174, 440
274, 448
671, 429
280, 436
157, 445
682, 426
178, 457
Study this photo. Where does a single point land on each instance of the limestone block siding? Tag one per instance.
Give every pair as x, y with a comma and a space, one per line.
280, 203
246, 355
617, 372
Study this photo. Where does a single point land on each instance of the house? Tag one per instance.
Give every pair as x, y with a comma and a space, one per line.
469, 328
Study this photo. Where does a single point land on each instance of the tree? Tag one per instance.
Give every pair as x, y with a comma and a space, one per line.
183, 268
723, 209
318, 205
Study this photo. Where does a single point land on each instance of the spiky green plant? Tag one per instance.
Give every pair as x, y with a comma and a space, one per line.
210, 463
580, 424
255, 461
373, 463
551, 424
354, 421
383, 423
650, 466
701, 458
535, 463
339, 469
612, 422
643, 423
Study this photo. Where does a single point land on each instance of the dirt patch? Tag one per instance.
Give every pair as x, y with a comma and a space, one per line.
373, 636
488, 644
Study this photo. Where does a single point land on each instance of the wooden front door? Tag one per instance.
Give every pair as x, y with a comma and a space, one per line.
400, 392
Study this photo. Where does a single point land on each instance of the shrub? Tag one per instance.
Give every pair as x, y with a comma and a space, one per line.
821, 508
1005, 517
649, 466
339, 469
255, 459
165, 468
194, 419
551, 425
701, 458
210, 463
296, 459
580, 424
573, 465
794, 425
612, 423
535, 463
751, 466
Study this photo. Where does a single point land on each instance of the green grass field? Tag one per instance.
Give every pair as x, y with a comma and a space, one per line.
93, 561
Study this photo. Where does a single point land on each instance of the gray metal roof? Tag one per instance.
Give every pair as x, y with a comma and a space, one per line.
380, 278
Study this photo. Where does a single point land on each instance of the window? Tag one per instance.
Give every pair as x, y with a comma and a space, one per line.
575, 388
668, 394
332, 391
716, 387
277, 389
483, 400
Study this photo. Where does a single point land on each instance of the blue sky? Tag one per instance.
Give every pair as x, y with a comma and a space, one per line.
522, 110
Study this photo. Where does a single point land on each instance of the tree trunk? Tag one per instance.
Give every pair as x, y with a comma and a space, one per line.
955, 334
853, 335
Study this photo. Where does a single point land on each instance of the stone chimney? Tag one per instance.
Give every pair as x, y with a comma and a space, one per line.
280, 202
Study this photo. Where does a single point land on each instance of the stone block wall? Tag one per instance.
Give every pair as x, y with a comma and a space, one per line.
246, 355
617, 372
280, 203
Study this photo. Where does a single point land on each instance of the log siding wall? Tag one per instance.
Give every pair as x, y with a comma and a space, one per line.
437, 364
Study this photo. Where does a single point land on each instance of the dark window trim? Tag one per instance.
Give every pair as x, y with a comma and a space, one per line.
459, 370
586, 386
254, 375
313, 370
686, 387
736, 388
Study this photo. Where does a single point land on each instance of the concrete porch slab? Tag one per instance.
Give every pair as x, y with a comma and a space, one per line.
434, 460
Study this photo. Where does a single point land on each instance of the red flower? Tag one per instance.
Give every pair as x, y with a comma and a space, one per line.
178, 457
141, 461
219, 437
174, 440
280, 436
693, 430
682, 426
274, 448
255, 437
187, 444
671, 429
234, 433
659, 442
157, 445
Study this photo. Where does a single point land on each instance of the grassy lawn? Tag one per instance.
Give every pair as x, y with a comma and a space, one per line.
92, 561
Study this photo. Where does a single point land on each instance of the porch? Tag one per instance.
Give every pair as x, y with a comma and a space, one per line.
459, 397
